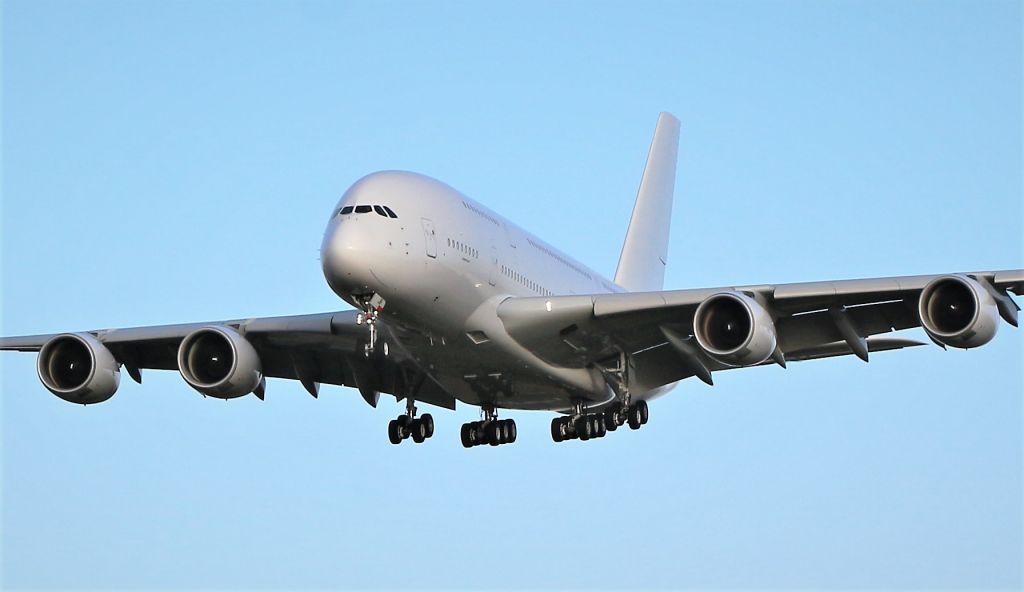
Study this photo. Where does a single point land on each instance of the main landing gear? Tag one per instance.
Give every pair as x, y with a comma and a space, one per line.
585, 426
410, 426
490, 430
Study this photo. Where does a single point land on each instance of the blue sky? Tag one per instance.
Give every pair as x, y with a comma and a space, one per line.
170, 162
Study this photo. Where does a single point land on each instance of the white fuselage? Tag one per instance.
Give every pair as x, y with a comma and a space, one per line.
442, 266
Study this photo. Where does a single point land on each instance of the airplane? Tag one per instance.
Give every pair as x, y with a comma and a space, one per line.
455, 303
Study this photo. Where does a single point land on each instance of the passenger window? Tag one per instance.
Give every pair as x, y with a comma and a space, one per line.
363, 209
390, 212
345, 210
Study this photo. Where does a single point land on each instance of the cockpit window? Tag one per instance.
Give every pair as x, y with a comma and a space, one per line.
345, 210
380, 211
390, 212
363, 209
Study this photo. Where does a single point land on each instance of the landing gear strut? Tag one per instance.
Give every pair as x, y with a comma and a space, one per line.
489, 430
372, 307
409, 426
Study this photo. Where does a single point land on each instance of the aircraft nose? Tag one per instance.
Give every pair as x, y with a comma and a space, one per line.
341, 258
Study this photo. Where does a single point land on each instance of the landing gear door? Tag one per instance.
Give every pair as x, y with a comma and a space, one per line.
430, 237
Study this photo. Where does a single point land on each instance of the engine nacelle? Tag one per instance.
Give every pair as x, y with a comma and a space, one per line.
958, 311
734, 329
218, 362
78, 368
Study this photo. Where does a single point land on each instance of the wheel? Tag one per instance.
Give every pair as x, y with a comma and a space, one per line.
608, 418
494, 433
428, 422
394, 432
582, 425
569, 429
510, 430
601, 429
634, 417
644, 413
404, 420
419, 431
556, 429
467, 435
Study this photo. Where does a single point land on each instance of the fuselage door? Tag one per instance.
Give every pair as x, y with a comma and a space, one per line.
430, 237
494, 266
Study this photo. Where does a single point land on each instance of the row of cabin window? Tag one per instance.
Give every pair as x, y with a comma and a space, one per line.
560, 260
381, 211
454, 244
525, 281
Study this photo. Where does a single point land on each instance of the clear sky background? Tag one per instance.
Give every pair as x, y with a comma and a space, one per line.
171, 162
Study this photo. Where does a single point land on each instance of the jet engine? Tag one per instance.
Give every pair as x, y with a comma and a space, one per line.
218, 362
734, 329
958, 311
78, 368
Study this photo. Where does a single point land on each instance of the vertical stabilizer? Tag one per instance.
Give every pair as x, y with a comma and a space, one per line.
645, 252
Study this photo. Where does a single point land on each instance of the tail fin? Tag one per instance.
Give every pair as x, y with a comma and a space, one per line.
645, 252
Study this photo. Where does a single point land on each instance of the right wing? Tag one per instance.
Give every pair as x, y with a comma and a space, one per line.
313, 349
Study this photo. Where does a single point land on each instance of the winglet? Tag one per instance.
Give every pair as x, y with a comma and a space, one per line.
645, 251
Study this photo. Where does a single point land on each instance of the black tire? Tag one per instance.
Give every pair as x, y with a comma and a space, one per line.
394, 432
602, 431
511, 430
608, 417
428, 422
556, 429
493, 433
404, 420
467, 435
645, 414
634, 418
582, 425
419, 431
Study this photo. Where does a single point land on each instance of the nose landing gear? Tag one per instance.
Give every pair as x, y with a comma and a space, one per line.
409, 426
372, 306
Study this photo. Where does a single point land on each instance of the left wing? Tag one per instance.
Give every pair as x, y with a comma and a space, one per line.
662, 331
313, 349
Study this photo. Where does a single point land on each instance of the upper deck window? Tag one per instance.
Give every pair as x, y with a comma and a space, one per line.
363, 209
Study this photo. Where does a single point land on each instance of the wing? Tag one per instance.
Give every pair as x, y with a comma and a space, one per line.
656, 329
317, 348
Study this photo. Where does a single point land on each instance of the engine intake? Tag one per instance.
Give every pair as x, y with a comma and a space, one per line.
734, 329
957, 311
78, 368
219, 362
